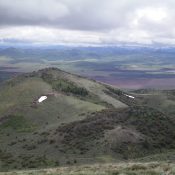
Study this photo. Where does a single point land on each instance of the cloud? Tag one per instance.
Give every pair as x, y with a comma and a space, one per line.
31, 12
88, 21
76, 14
49, 35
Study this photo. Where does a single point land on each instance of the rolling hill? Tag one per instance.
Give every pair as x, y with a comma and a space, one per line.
80, 121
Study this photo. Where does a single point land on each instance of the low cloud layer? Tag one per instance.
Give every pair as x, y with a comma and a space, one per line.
88, 21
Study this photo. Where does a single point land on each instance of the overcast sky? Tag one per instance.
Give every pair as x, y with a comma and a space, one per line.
88, 21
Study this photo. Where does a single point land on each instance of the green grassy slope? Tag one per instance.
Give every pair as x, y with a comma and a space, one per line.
162, 100
25, 124
81, 121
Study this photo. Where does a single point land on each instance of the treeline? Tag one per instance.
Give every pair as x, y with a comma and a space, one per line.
64, 85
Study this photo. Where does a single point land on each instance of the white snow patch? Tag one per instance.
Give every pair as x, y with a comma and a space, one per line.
42, 98
129, 96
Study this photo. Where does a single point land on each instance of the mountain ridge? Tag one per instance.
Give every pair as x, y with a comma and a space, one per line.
81, 121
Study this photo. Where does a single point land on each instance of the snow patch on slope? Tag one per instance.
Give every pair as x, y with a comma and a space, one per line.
41, 99
129, 96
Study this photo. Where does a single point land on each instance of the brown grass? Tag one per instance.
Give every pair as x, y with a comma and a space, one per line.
153, 168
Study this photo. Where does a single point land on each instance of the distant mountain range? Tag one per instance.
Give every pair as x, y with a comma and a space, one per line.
72, 53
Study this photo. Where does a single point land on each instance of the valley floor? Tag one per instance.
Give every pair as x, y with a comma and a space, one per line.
151, 168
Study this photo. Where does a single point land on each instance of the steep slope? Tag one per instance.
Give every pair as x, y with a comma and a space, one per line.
80, 121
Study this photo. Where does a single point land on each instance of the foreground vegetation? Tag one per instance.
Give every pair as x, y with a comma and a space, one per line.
152, 168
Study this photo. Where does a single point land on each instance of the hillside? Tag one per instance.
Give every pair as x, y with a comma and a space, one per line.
79, 121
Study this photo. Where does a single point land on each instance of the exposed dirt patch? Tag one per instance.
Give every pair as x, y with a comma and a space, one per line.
122, 134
